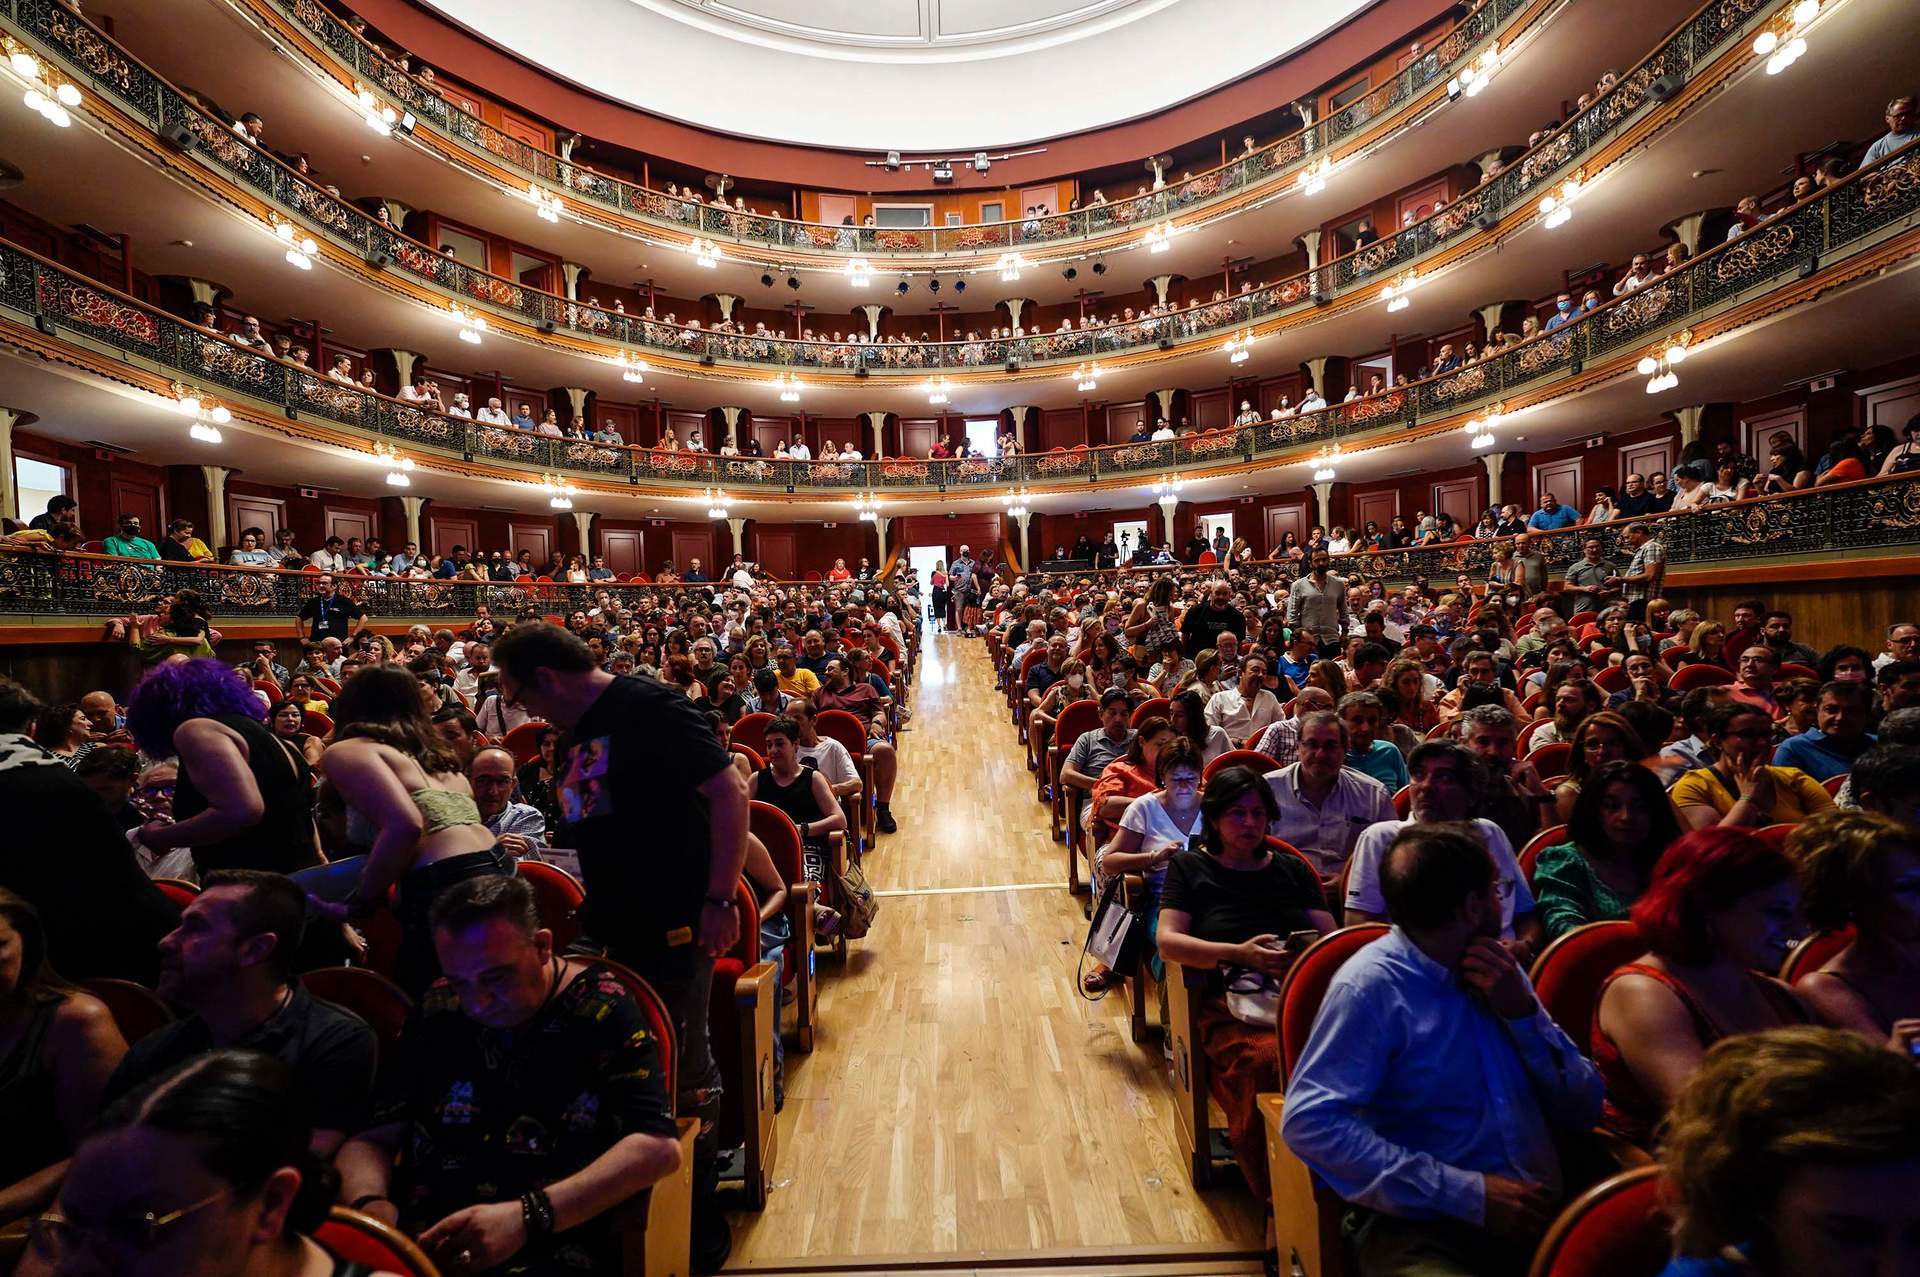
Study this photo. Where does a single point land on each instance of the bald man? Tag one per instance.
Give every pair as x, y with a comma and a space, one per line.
520, 828
1281, 742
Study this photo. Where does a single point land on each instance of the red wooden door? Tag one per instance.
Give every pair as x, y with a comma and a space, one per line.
444, 533
1282, 519
1652, 457
348, 524
625, 550
142, 500
1459, 498
1377, 507
778, 552
1562, 479
534, 537
269, 514
1756, 433
688, 546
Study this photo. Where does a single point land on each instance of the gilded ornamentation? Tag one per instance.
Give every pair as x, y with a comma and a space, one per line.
84, 305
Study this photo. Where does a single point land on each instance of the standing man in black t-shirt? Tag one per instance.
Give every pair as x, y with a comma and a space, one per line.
331, 613
658, 814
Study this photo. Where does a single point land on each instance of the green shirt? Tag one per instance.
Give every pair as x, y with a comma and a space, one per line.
1570, 894
135, 548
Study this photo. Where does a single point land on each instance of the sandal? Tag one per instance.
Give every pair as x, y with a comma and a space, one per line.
1096, 981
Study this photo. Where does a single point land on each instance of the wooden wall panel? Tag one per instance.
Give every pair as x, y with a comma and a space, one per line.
1891, 404
690, 544
536, 538
1282, 519
1457, 497
1651, 457
269, 514
1757, 430
1211, 409
1562, 478
446, 531
624, 550
348, 524
1378, 507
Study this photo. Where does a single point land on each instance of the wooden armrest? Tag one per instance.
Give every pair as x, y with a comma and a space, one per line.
801, 898
653, 1226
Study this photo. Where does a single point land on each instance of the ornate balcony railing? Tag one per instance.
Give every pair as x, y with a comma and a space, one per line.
1269, 165
1844, 218
1872, 515
114, 72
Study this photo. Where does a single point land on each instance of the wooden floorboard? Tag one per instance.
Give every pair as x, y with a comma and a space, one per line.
963, 1106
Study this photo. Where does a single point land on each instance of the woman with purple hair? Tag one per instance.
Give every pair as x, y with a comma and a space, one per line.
244, 797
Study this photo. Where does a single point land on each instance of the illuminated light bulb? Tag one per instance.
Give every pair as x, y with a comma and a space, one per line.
366, 98
58, 117
68, 95
1764, 43
470, 336
1648, 365
1399, 303
398, 480
1794, 50
1676, 354
26, 64
35, 102
190, 405
1806, 11
220, 414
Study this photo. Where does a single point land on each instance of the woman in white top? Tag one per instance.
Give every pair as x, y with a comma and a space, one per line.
249, 554
1157, 825
1727, 485
1603, 507
1338, 543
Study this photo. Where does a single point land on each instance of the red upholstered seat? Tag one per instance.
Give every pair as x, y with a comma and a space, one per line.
558, 898
1261, 763
136, 1009
1403, 801
1834, 784
751, 731
1775, 836
1611, 678
523, 742
1617, 1228
319, 724
1524, 740
1793, 669
1688, 677
1305, 986
178, 890
1156, 706
1816, 951
383, 1004
1567, 976
754, 760
347, 1234
1551, 760
1530, 854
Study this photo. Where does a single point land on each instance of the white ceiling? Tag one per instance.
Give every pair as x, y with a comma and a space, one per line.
941, 76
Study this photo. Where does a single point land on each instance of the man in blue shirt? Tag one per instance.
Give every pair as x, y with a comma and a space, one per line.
1433, 1085
1828, 749
1363, 713
1551, 515
1562, 311
451, 565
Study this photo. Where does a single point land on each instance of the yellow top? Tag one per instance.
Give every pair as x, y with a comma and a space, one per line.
1796, 795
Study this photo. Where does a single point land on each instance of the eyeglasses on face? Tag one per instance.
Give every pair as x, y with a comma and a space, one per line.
52, 1235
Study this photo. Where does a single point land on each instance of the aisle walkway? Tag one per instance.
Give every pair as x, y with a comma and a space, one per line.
962, 1101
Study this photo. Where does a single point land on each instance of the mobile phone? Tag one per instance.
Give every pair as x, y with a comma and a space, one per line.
1299, 940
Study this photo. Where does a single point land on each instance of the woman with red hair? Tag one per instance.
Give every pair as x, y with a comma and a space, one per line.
1722, 908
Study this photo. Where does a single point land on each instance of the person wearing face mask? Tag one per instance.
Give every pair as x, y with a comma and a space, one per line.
1722, 907
1562, 311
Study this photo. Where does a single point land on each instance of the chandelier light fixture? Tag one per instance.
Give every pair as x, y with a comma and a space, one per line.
1313, 178
208, 416
1011, 265
937, 390
1658, 366
867, 506
1394, 293
1159, 237
1557, 208
546, 206
380, 117
1477, 74
300, 248
718, 504
398, 467
859, 273
472, 323
633, 369
1783, 49
49, 96
789, 386
1086, 378
1480, 429
706, 253
559, 491
1016, 503
1238, 347
1326, 463
1167, 486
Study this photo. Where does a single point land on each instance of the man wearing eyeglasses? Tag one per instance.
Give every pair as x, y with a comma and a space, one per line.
1903, 644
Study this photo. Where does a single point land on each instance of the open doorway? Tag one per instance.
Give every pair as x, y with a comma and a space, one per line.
1218, 530
920, 559
983, 436
1129, 535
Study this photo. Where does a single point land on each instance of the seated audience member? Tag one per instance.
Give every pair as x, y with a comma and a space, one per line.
287, 720
1840, 736
1089, 756
801, 791
1515, 796
1155, 827
1754, 675
100, 915
1721, 908
1446, 788
1740, 787
840, 691
1791, 1154
513, 1170
1323, 804
1238, 906
206, 1170
518, 828
1620, 824
58, 1046
1479, 686
1187, 712
1126, 778
1600, 738
111, 773
1071, 686
1364, 715
1281, 742
1862, 869
1433, 1086
1573, 699
1247, 708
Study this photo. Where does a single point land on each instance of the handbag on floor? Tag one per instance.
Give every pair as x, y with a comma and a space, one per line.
1115, 939
855, 901
1253, 997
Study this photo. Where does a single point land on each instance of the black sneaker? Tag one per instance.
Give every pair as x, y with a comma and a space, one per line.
884, 819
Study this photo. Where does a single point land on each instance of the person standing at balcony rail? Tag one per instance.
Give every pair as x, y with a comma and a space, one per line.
1317, 604
1900, 132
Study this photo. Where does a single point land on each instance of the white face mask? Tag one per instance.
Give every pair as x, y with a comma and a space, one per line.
1075, 681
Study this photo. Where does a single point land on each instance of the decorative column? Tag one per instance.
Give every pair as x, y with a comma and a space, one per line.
877, 423
583, 523
874, 315
1310, 240
882, 522
573, 273
1161, 283
216, 479
1019, 412
1323, 498
413, 506
1687, 231
577, 400
1496, 464
404, 362
1689, 419
1014, 306
1164, 398
1023, 518
9, 493
739, 529
1317, 373
1168, 504
727, 301
731, 415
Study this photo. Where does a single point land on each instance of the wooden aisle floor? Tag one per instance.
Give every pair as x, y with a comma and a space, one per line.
962, 1102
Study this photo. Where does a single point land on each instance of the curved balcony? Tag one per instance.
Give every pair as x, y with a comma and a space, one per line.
1704, 42
1816, 236
1269, 167
1872, 515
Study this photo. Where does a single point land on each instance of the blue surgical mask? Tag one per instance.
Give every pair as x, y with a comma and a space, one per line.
1564, 307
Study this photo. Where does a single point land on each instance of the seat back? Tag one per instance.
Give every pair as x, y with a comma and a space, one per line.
840, 725
754, 760
1261, 763
1568, 974
1281, 847
558, 898
751, 731
136, 1009
1305, 986
1834, 784
1403, 801
1617, 1228
1159, 705
654, 1010
347, 1234
776, 830
383, 1004
1793, 669
1611, 678
1551, 761
1775, 836
1075, 721
1688, 677
1523, 741
1816, 951
1529, 855
523, 742
319, 724
178, 890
